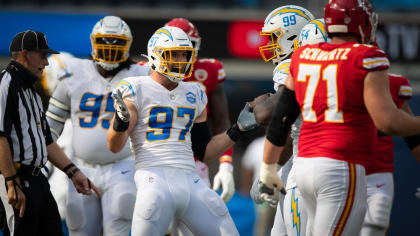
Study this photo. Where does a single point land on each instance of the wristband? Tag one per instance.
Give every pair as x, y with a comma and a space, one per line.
65, 169
234, 132
10, 178
120, 125
72, 172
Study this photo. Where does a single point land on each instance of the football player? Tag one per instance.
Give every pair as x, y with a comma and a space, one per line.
379, 171
342, 90
282, 26
295, 215
157, 113
210, 73
85, 98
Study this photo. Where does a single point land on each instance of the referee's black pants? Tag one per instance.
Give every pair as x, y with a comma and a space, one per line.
41, 213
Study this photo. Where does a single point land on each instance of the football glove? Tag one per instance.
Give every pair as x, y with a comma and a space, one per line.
246, 120
224, 179
271, 184
255, 191
122, 117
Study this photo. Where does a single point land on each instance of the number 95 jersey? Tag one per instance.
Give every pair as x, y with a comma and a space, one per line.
161, 136
85, 96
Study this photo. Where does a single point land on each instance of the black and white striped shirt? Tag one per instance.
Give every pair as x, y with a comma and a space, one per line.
22, 116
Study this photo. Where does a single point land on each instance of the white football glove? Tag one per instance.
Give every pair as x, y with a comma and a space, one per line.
120, 106
418, 193
271, 184
224, 179
255, 191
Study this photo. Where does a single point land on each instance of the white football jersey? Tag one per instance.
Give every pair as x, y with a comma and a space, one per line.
161, 136
280, 73
91, 107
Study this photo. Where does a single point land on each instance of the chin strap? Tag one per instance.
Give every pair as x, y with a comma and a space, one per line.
107, 66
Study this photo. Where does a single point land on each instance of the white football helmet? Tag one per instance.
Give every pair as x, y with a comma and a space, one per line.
312, 33
55, 71
111, 40
160, 47
282, 26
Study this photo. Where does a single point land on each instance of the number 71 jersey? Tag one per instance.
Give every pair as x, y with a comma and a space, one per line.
329, 83
161, 136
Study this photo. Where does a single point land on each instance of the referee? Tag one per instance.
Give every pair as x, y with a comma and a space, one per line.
26, 143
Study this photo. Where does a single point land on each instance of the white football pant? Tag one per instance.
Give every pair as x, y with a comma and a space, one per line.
295, 216
380, 194
112, 213
334, 192
168, 193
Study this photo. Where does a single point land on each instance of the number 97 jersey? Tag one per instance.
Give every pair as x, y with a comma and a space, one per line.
329, 83
161, 136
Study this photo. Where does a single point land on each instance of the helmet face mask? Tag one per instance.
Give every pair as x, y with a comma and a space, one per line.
170, 53
272, 49
111, 40
282, 26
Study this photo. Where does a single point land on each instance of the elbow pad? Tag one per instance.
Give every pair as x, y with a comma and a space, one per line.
200, 137
285, 114
412, 141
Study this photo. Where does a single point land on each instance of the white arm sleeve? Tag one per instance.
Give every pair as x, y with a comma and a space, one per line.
58, 109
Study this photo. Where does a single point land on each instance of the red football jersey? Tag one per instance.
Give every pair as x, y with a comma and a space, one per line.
209, 72
329, 81
383, 160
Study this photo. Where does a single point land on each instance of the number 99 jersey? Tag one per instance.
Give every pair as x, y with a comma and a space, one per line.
161, 136
85, 96
329, 83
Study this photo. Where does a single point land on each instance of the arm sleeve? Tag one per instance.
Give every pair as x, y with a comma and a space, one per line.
58, 110
200, 137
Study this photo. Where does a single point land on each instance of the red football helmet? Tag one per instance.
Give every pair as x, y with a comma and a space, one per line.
351, 16
189, 29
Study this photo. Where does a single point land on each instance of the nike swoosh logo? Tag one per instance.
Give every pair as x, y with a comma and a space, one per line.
123, 172
379, 185
196, 180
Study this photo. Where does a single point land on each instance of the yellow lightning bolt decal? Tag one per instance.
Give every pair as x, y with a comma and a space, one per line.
321, 26
295, 212
164, 31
